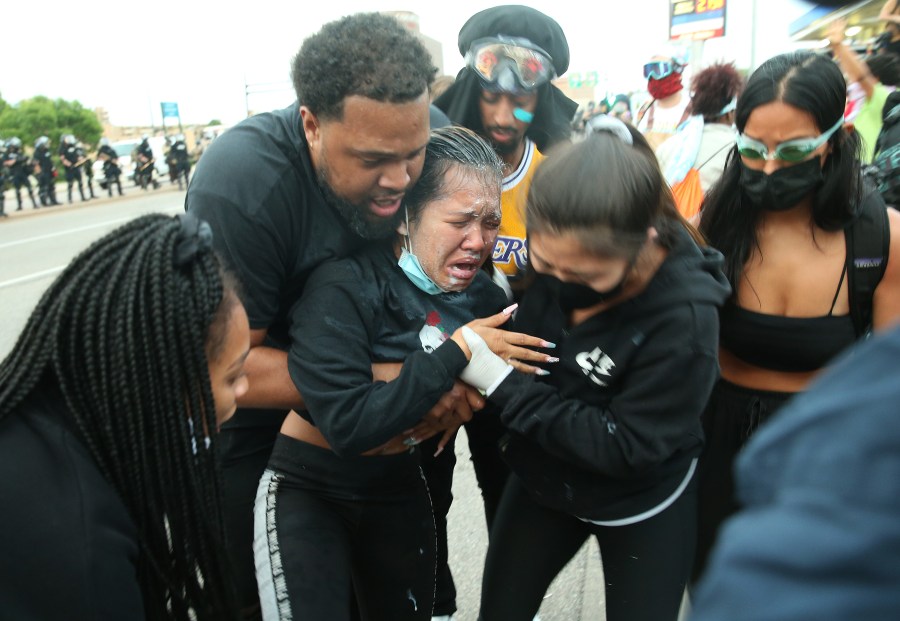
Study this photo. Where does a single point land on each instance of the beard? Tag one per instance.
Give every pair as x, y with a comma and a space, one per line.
356, 215
504, 148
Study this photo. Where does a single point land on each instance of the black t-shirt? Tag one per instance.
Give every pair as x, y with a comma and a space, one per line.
363, 310
71, 155
68, 547
42, 158
256, 187
146, 150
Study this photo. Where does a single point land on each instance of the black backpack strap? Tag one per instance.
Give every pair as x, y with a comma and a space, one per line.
868, 244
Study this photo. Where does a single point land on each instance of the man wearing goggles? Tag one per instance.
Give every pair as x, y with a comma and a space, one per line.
659, 118
659, 69
510, 63
505, 94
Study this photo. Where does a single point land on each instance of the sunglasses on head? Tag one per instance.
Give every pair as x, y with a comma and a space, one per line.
788, 151
510, 63
658, 69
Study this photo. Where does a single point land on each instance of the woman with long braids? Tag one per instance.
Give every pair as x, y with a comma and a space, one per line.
110, 499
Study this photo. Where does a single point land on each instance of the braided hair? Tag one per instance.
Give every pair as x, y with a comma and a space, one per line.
125, 333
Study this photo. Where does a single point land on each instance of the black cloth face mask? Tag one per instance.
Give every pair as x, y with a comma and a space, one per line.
784, 188
573, 296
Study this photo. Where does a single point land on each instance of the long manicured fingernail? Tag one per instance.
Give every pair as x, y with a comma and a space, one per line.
548, 345
439, 451
552, 359
509, 309
542, 372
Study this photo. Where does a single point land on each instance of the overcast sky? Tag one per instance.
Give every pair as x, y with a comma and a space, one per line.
128, 56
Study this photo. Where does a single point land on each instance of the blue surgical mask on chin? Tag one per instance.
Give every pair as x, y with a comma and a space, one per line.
410, 265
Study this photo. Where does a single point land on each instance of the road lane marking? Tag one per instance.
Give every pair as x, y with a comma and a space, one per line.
81, 228
34, 276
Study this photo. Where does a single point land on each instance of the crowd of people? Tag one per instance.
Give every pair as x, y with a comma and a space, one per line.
647, 323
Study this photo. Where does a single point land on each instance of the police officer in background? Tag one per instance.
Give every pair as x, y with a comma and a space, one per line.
145, 160
45, 172
19, 167
3, 175
72, 159
179, 161
111, 169
87, 165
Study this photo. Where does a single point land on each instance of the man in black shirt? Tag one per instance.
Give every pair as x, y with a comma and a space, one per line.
72, 159
179, 162
20, 168
287, 190
111, 170
45, 172
144, 164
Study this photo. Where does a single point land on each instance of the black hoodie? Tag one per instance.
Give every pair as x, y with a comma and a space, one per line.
612, 431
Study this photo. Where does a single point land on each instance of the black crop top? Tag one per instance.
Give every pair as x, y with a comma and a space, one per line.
784, 343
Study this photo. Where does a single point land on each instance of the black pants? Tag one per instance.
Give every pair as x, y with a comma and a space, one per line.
47, 188
483, 432
733, 414
329, 527
20, 182
645, 565
245, 454
73, 175
114, 180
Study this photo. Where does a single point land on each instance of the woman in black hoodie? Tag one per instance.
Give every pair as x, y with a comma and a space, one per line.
607, 443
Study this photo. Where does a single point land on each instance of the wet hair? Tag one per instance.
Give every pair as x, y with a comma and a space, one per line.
713, 89
448, 147
810, 82
885, 67
606, 193
366, 54
125, 335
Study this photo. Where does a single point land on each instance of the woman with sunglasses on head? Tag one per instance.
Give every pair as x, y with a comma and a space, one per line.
797, 224
111, 491
606, 444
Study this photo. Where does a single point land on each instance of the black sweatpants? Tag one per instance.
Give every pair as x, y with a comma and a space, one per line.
483, 433
245, 453
645, 565
733, 414
329, 528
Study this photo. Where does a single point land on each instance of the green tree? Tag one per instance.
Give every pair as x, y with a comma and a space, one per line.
41, 116
214, 122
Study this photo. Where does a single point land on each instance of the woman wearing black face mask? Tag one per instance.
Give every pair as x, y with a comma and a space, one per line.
606, 445
785, 214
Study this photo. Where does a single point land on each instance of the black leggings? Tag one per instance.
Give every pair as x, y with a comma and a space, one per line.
645, 565
733, 414
327, 527
483, 433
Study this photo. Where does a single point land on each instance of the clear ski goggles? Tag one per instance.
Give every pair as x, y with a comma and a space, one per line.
659, 69
788, 151
510, 63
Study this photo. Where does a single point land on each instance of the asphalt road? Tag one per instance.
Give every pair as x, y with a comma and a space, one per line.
36, 245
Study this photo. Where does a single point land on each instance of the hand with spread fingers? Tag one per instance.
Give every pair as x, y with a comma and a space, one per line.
513, 347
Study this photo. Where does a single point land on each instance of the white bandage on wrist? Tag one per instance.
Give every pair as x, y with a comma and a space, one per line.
486, 370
